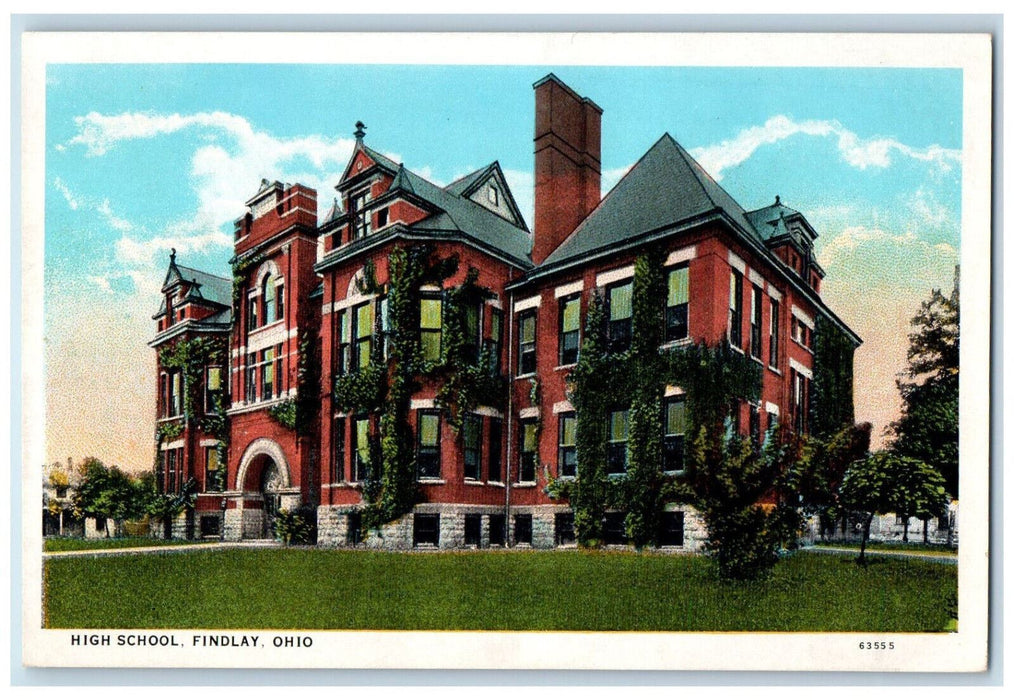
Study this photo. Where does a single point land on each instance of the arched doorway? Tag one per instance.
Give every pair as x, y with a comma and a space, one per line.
272, 485
264, 479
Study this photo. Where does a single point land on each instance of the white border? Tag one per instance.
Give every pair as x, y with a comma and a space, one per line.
965, 650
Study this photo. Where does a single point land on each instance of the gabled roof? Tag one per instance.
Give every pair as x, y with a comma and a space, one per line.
468, 185
203, 286
453, 212
665, 187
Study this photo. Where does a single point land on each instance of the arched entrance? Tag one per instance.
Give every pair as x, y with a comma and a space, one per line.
271, 492
263, 477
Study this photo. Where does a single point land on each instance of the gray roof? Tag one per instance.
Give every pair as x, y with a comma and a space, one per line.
210, 288
664, 188
769, 221
457, 213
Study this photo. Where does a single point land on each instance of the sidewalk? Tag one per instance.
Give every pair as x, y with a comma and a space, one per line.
245, 544
940, 557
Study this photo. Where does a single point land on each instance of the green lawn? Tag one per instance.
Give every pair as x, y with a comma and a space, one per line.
576, 590
914, 546
72, 544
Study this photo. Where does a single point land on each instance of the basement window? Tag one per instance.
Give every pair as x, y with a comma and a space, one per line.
426, 530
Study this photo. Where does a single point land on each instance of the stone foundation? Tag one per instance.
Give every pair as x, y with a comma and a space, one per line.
333, 528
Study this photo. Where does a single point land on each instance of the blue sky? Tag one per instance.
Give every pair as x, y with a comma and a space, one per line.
141, 158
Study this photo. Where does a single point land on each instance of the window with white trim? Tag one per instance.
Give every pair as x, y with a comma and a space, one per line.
566, 463
526, 342
430, 326
674, 434
774, 335
471, 440
570, 329
755, 322
427, 456
620, 312
736, 308
617, 439
677, 304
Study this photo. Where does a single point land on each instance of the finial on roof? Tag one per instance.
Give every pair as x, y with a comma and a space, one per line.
778, 199
172, 256
360, 131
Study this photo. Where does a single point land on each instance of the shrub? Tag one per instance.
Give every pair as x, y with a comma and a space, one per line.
298, 526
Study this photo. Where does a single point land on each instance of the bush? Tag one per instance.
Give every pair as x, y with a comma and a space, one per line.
297, 526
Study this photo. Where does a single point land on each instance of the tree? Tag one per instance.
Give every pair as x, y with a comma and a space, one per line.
917, 490
822, 468
106, 492
868, 488
928, 427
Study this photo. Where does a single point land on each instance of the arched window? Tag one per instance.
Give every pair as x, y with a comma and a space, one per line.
268, 294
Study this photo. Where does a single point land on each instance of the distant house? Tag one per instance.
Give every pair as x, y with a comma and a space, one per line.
258, 421
58, 484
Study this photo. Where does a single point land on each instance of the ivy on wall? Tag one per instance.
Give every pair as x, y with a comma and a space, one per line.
191, 357
832, 406
385, 387
299, 413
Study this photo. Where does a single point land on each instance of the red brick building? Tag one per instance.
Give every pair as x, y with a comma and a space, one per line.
310, 316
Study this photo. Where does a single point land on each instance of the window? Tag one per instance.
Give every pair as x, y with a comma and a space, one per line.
614, 528
171, 467
361, 451
337, 451
493, 195
471, 430
564, 529
799, 401
212, 480
251, 377
497, 529
495, 341
344, 340
175, 393
354, 528
529, 450
674, 440
670, 529
362, 336
801, 333
427, 457
267, 373
473, 332
526, 342
426, 530
279, 302
523, 528
360, 217
212, 389
619, 431
268, 295
755, 322
382, 218
473, 530
251, 313
755, 426
570, 329
736, 309
773, 339
619, 299
210, 526
279, 375
430, 327
677, 304
566, 464
494, 451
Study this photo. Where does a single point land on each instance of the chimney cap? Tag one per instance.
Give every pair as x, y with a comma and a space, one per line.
552, 78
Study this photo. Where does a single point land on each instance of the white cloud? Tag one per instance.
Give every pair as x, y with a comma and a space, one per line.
890, 248
114, 221
100, 282
858, 152
137, 252
72, 201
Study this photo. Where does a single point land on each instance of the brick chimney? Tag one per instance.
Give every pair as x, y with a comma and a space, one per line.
568, 169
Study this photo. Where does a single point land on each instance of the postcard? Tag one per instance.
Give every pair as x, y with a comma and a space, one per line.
517, 351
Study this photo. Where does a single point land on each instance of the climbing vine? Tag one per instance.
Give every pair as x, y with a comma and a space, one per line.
714, 381
299, 413
386, 385
240, 267
192, 357
832, 407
